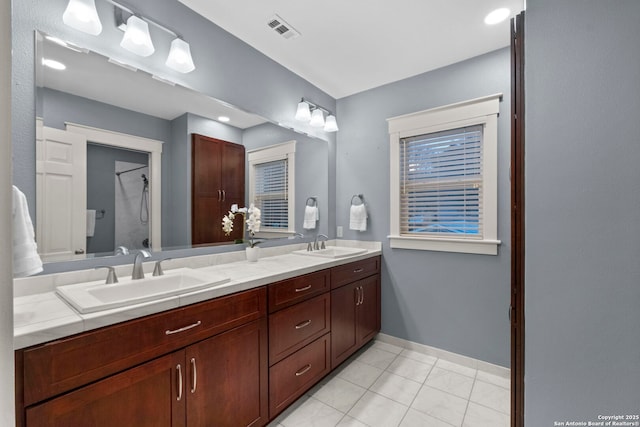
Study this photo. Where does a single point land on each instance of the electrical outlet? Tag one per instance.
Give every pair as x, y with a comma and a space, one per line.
339, 231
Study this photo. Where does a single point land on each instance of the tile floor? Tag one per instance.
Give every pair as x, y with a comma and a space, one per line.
387, 386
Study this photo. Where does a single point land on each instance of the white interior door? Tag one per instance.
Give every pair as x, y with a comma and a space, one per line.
61, 194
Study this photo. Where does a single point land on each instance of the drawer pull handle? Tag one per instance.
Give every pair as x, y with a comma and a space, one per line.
358, 270
303, 324
303, 370
186, 328
179, 371
306, 288
195, 375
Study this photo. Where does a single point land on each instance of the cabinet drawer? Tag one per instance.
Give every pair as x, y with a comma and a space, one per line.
291, 377
291, 291
294, 327
348, 273
62, 365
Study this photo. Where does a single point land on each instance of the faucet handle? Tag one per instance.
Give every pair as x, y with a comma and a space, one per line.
309, 247
323, 246
111, 276
157, 270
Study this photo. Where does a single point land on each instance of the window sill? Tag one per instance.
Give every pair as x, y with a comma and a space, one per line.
481, 247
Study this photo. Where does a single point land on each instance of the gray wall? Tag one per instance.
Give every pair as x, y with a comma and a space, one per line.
457, 302
60, 107
582, 73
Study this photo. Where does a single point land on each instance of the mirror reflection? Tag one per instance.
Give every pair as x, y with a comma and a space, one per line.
115, 159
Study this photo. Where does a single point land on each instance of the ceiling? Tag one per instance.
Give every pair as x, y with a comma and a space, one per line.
349, 46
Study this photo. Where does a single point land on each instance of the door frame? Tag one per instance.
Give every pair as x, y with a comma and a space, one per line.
516, 310
137, 143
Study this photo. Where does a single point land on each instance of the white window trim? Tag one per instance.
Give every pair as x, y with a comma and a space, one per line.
285, 150
482, 111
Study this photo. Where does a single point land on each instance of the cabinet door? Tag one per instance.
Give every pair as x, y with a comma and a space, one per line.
232, 174
147, 395
368, 309
344, 339
227, 383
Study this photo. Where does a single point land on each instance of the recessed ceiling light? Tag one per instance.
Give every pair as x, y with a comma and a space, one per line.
497, 16
53, 64
223, 119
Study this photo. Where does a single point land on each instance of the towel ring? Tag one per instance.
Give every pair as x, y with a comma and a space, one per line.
358, 196
314, 201
100, 214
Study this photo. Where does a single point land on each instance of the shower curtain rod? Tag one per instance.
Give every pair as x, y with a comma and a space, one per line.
131, 170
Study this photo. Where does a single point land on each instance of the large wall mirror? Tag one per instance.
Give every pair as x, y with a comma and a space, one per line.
113, 155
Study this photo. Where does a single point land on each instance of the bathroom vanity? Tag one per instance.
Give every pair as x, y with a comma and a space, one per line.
233, 360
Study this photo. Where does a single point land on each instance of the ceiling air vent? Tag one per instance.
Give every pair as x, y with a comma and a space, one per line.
283, 28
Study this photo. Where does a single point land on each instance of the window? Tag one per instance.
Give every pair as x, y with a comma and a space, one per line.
444, 178
271, 186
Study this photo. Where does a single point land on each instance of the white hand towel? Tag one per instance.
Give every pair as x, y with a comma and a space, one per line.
91, 222
358, 217
311, 215
26, 260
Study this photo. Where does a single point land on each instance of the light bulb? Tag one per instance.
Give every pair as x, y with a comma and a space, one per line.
303, 114
137, 38
317, 118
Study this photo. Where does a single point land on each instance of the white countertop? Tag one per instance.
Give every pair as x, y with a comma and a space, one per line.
41, 316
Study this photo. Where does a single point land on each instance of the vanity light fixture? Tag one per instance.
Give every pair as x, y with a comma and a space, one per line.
312, 113
83, 16
136, 37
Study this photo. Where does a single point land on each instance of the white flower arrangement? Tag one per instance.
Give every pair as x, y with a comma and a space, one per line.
253, 223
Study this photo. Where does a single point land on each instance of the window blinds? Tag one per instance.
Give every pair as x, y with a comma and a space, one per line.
271, 193
441, 183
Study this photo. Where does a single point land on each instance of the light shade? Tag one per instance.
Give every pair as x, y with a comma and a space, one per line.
179, 57
83, 16
303, 113
317, 118
136, 37
330, 124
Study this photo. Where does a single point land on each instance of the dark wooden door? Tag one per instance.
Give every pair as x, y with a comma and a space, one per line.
368, 309
344, 339
228, 385
217, 182
143, 396
516, 311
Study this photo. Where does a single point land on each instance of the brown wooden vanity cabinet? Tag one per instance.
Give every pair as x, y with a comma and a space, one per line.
163, 371
299, 337
355, 307
221, 362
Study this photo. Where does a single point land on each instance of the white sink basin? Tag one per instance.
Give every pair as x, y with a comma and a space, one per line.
96, 296
332, 252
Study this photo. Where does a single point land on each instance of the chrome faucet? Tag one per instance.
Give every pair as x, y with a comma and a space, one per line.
315, 242
138, 271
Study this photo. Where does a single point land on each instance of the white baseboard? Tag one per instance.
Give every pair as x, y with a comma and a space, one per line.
446, 355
